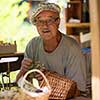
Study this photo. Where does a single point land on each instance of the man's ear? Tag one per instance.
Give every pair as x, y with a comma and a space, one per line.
58, 21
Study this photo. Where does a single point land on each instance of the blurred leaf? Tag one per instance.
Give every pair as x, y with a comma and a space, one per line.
12, 25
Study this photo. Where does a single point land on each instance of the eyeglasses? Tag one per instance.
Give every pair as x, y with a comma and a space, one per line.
48, 22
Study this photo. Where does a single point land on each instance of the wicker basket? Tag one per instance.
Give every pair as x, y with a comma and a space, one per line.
61, 87
38, 96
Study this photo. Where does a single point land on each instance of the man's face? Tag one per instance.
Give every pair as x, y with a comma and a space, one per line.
47, 23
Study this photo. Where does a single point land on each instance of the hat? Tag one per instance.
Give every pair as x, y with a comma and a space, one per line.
44, 6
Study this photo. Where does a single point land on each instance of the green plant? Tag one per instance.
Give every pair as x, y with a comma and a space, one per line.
12, 25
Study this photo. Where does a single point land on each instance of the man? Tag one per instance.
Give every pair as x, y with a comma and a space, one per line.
56, 51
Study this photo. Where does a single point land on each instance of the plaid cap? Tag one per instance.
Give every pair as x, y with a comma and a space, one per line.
44, 6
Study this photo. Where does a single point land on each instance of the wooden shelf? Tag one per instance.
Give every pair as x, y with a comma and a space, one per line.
74, 10
77, 25
74, 2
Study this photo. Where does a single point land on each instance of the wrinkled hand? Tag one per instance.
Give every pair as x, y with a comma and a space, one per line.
39, 76
26, 63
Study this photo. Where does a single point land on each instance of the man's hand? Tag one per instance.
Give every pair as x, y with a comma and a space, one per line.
26, 63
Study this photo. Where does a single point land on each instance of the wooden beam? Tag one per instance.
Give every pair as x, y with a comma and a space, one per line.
95, 44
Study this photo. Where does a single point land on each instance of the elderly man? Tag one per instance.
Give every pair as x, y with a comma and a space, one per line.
55, 50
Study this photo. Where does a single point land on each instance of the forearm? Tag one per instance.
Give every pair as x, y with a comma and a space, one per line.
26, 63
21, 73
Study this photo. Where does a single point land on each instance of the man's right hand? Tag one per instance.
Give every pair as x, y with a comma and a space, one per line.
26, 63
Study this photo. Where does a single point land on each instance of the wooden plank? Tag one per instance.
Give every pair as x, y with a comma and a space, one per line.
77, 25
95, 44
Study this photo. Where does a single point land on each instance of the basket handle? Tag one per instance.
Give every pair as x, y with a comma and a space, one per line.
36, 70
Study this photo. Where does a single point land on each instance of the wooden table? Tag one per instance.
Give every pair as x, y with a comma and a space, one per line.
14, 65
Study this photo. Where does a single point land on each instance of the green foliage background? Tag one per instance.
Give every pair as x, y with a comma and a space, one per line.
12, 25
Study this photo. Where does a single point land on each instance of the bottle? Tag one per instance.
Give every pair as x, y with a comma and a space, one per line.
85, 12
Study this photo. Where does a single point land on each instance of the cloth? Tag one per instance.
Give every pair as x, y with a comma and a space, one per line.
66, 59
